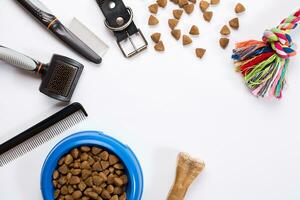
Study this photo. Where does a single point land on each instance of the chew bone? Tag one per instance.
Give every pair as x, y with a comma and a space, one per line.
187, 171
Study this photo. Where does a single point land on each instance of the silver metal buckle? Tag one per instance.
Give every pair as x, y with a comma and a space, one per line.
122, 28
136, 49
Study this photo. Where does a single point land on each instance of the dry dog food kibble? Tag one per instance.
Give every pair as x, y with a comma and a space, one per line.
224, 42
182, 3
172, 23
239, 8
155, 37
225, 30
203, 5
176, 33
234, 23
153, 8
177, 13
214, 2
186, 40
189, 8
89, 173
194, 30
200, 52
159, 46
162, 3
208, 15
152, 21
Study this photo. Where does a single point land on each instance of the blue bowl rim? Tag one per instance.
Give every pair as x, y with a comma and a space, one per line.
126, 155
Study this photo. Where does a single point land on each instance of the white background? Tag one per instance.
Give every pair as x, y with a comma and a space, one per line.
161, 104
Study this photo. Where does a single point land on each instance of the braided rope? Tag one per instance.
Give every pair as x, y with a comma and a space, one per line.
264, 63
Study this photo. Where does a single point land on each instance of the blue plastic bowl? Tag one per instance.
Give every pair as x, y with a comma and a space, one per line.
93, 138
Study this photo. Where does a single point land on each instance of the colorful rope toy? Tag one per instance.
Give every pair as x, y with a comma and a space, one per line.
264, 63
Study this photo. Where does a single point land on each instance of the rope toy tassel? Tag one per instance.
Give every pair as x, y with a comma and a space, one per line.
263, 64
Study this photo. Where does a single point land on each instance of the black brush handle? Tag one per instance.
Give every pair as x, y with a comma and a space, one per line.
53, 24
43, 125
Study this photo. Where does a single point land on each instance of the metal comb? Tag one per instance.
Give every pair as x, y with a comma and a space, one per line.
41, 133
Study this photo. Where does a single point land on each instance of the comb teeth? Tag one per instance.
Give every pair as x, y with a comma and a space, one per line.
41, 138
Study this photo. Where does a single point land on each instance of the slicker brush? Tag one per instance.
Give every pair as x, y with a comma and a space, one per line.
59, 77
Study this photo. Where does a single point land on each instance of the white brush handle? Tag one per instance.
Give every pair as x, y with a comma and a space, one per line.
17, 59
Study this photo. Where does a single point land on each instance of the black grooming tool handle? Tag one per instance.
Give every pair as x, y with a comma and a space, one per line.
118, 18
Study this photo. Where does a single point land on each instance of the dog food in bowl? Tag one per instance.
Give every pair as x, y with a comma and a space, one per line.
89, 173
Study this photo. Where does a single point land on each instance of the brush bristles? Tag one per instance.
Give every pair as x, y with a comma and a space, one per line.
41, 138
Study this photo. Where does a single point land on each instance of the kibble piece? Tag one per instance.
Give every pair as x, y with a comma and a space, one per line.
153, 8
214, 2
118, 166
118, 181
189, 8
120, 172
115, 197
172, 23
159, 46
239, 8
194, 30
182, 3
81, 186
193, 1
77, 194
75, 172
224, 42
89, 181
152, 21
110, 189
110, 179
64, 190
56, 194
155, 37
200, 52
175, 1
85, 165
97, 189
186, 40
86, 198
75, 153
104, 165
234, 23
68, 159
97, 166
96, 150
55, 175
105, 194
203, 5
92, 195
62, 180
176, 33
123, 196
118, 190
124, 179
103, 176
70, 189
85, 149
207, 15
84, 157
74, 180
104, 155
97, 180
162, 3
85, 174
225, 30
177, 13
61, 161
68, 197
113, 159
63, 169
